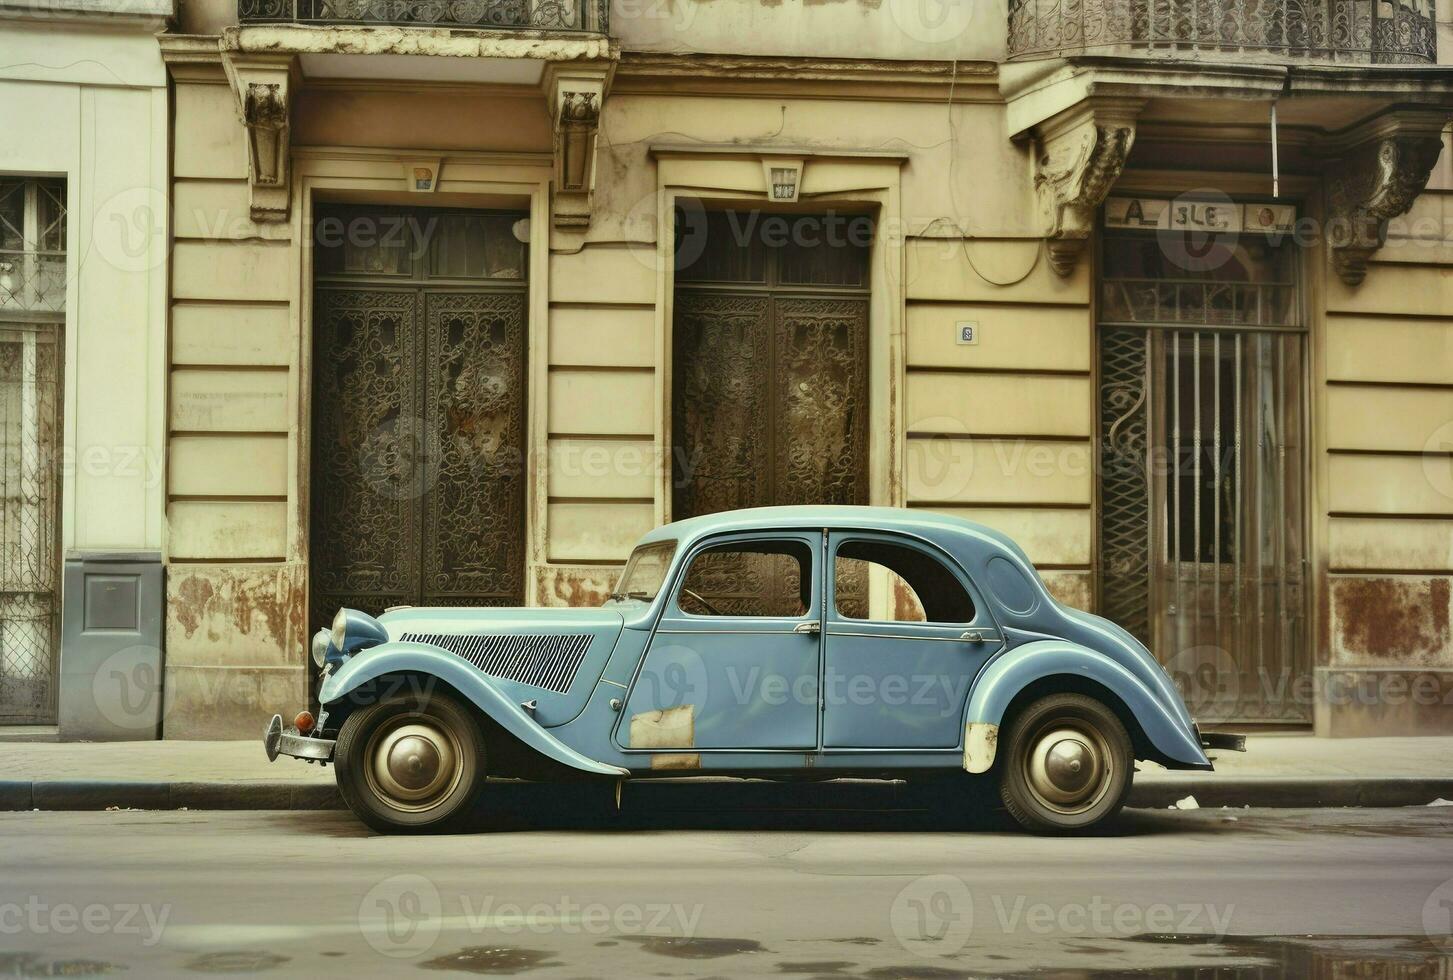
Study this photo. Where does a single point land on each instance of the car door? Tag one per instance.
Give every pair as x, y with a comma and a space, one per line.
906, 633
734, 660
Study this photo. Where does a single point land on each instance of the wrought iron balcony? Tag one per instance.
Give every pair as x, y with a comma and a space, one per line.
1339, 31
546, 15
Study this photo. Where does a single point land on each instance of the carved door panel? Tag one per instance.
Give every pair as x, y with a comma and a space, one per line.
368, 458
474, 513
419, 421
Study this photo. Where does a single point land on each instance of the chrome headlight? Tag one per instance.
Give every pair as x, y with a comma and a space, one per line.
353, 631
320, 647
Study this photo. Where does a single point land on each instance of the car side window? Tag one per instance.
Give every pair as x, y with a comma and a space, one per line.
749, 578
886, 582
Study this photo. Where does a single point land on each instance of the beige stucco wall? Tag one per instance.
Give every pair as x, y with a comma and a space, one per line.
1386, 476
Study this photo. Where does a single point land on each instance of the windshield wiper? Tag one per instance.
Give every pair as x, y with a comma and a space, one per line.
622, 596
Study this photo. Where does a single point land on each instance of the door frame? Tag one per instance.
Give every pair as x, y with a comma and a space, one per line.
424, 288
367, 176
852, 181
1305, 194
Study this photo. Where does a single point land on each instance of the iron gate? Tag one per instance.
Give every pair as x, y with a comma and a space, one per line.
1202, 485
418, 465
32, 325
30, 361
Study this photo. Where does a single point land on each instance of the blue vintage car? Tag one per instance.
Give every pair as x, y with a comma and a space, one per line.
787, 642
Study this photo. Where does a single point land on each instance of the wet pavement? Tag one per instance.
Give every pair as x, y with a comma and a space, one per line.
1204, 893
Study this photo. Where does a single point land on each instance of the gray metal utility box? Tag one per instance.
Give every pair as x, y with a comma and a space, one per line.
111, 647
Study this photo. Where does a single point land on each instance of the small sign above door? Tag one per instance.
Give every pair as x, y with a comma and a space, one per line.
1188, 215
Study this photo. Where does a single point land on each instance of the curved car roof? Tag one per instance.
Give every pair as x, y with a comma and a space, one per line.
954, 534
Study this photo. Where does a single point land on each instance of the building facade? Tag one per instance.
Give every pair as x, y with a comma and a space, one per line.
83, 312
462, 297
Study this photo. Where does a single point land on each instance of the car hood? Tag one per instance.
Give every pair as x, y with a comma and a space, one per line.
551, 656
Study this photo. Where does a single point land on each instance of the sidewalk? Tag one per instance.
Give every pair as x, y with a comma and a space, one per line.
1276, 770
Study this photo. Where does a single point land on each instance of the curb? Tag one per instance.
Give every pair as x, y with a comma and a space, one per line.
1293, 791
99, 794
711, 794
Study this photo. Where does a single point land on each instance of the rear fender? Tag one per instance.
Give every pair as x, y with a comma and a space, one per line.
1010, 673
430, 661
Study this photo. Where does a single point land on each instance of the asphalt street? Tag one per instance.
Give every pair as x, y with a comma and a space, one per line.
1259, 893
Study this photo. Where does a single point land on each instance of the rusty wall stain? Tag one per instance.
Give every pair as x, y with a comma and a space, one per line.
1391, 620
1074, 589
561, 586
237, 614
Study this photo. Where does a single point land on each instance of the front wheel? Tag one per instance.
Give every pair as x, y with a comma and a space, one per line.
410, 762
1067, 765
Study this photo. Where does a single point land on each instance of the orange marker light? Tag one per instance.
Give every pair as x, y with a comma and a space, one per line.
304, 722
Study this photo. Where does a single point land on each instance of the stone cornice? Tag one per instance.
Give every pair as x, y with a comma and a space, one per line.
437, 42
867, 78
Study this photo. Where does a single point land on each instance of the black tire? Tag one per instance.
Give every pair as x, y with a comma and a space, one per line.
1066, 765
411, 763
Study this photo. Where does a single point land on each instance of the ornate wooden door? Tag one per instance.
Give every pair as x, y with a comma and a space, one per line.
770, 376
770, 367
418, 493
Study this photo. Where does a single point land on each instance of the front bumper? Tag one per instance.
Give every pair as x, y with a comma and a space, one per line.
278, 741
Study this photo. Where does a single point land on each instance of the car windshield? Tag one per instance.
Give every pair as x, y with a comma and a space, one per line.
645, 572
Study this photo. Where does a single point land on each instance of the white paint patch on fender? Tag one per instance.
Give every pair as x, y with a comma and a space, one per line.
981, 742
676, 760
666, 728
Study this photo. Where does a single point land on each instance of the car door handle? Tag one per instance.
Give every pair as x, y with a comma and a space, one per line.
812, 628
973, 636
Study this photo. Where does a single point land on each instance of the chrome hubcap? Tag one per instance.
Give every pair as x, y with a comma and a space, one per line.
413, 764
1068, 766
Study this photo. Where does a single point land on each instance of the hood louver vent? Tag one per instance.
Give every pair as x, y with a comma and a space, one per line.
540, 661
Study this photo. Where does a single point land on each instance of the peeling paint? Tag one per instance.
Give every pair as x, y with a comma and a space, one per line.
437, 42
981, 744
559, 586
227, 615
667, 728
1402, 621
676, 760
1073, 589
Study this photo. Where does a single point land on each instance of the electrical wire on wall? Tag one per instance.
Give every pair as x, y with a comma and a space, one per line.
965, 236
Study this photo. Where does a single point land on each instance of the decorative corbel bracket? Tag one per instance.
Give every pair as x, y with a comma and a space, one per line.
1078, 156
1373, 175
263, 89
576, 99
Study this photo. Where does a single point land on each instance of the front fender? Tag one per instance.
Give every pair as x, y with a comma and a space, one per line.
421, 658
1011, 672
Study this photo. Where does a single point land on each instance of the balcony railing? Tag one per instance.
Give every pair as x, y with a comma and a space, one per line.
1348, 31
548, 15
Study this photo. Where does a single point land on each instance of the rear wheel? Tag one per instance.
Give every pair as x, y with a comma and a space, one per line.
1067, 765
411, 763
